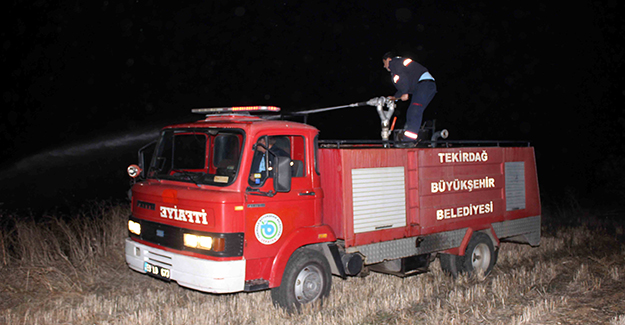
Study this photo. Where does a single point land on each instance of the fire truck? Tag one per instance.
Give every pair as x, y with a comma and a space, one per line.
238, 202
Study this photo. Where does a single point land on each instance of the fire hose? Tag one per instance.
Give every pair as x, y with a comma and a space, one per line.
378, 102
385, 116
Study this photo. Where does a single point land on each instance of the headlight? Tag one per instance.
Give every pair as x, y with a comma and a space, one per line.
134, 227
204, 242
195, 241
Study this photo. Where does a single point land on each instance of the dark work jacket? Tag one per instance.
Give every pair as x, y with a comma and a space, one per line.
408, 75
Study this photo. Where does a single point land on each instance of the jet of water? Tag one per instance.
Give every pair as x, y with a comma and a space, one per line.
61, 155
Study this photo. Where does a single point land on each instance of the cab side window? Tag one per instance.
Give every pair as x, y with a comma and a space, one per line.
264, 160
298, 156
280, 145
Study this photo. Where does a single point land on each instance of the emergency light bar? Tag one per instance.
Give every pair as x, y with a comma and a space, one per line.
236, 109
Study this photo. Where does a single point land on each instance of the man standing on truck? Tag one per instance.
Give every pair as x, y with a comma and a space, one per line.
411, 79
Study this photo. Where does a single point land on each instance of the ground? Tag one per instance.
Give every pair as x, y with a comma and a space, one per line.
73, 272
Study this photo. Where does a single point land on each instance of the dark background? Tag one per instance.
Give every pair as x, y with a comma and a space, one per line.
88, 83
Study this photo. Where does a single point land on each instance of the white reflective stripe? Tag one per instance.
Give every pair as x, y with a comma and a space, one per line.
426, 76
407, 62
411, 135
395, 78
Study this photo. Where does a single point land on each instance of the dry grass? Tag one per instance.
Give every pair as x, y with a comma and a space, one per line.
73, 272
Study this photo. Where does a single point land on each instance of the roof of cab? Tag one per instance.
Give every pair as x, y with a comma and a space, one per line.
252, 123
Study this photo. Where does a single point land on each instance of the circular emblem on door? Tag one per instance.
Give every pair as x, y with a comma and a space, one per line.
268, 229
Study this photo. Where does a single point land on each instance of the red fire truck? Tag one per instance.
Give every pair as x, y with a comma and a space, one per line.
236, 202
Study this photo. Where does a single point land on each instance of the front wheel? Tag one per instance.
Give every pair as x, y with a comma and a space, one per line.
306, 280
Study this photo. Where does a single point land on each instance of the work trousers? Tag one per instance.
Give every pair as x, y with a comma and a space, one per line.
421, 97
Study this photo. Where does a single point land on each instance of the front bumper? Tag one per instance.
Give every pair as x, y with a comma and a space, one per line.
192, 272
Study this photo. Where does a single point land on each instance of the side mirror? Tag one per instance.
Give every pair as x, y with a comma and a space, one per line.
145, 157
282, 174
134, 171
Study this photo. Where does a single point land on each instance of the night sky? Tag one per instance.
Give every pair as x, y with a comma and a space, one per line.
88, 83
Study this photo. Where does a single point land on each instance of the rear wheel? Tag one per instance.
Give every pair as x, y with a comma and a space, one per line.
451, 264
480, 255
306, 280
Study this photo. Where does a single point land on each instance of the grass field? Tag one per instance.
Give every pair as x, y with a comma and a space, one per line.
73, 272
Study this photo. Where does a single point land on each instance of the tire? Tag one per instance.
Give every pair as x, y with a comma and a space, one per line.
451, 264
479, 255
306, 279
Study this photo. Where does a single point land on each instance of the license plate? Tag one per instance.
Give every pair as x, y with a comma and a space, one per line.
156, 271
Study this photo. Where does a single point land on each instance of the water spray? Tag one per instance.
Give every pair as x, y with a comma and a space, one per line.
60, 155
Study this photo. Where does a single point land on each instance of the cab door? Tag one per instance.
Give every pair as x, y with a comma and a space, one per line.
271, 217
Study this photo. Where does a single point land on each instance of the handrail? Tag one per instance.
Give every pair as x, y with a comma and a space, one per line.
376, 144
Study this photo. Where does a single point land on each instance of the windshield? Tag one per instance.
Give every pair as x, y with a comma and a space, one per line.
200, 156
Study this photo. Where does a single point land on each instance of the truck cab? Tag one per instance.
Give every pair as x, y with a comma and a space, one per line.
224, 203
